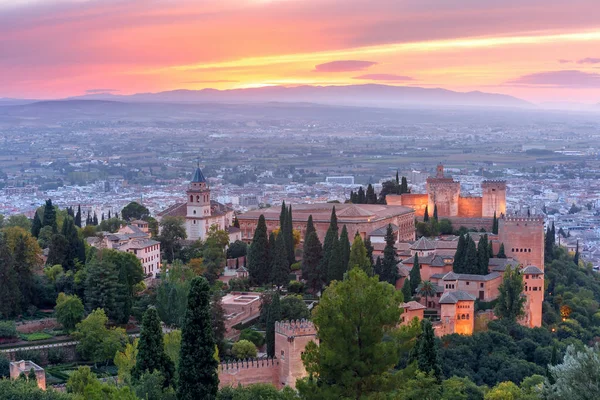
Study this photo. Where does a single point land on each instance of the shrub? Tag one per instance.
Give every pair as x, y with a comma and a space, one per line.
296, 287
4, 366
56, 355
32, 337
244, 349
253, 336
8, 329
30, 355
296, 266
239, 284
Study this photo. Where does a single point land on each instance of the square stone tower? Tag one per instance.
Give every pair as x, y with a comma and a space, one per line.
493, 198
523, 239
18, 367
291, 338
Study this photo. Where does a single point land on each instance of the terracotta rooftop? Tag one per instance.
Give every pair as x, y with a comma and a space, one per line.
532, 270
452, 276
413, 305
176, 210
321, 212
454, 297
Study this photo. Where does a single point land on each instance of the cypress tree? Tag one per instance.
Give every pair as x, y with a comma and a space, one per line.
435, 213
404, 186
377, 269
217, 317
371, 197
151, 352
495, 224
198, 378
345, 247
10, 296
330, 238
336, 267
258, 254
76, 247
78, 216
501, 253
426, 350
310, 227
50, 216
24, 270
483, 255
273, 315
289, 237
576, 256
407, 290
415, 274
282, 215
471, 259
397, 179
280, 268
361, 196
548, 248
313, 254
102, 217
109, 217
370, 249
459, 256
36, 226
358, 256
426, 215
95, 220
389, 268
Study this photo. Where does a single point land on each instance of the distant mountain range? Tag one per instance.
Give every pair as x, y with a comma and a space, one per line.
354, 95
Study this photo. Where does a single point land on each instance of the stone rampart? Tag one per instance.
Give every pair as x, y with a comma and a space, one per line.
249, 372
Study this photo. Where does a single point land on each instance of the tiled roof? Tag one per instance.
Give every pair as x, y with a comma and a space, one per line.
142, 244
532, 270
198, 176
500, 264
452, 276
176, 210
423, 244
455, 296
434, 260
383, 230
412, 305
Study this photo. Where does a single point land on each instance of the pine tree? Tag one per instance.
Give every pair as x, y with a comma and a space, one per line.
289, 237
102, 287
258, 254
415, 274
407, 291
495, 224
78, 216
310, 227
426, 215
50, 216
361, 196
426, 350
198, 378
280, 268
273, 315
389, 266
311, 261
483, 255
471, 259
336, 267
459, 256
435, 212
576, 256
36, 225
501, 253
358, 256
345, 246
151, 354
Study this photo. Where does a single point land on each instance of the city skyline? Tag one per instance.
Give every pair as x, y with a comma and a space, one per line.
535, 50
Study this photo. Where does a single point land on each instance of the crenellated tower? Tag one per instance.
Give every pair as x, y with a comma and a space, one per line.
291, 338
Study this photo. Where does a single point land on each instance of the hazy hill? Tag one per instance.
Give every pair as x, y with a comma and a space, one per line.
356, 95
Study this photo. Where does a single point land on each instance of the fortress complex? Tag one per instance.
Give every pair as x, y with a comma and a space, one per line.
444, 192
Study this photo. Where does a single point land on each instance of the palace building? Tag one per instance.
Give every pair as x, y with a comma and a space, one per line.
200, 212
443, 192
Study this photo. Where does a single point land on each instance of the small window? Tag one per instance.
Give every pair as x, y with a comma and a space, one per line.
481, 285
468, 283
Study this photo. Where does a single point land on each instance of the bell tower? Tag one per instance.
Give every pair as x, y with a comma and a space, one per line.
198, 205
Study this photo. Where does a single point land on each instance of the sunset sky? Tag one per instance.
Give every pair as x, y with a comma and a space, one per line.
538, 50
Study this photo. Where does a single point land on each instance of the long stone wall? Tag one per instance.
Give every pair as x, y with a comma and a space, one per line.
248, 372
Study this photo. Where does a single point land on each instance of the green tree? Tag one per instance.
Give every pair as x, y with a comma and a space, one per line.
217, 317
78, 216
172, 293
407, 290
311, 262
427, 289
57, 249
243, 350
288, 238
258, 254
483, 254
458, 265
331, 237
45, 237
371, 197
310, 227
358, 256
425, 351
151, 354
501, 253
97, 343
173, 345
75, 250
293, 307
426, 215
577, 377
134, 210
435, 212
495, 224
69, 311
510, 303
345, 246
389, 265
50, 216
125, 361
415, 274
197, 366
130, 273
273, 315
172, 231
336, 267
576, 256
10, 294
280, 267
101, 287
152, 386
471, 260
352, 319
36, 225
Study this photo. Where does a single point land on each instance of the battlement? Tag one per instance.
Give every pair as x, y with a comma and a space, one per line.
233, 366
290, 329
535, 218
493, 182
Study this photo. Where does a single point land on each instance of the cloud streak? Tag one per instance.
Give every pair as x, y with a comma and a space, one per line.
384, 77
344, 66
559, 79
589, 60
91, 91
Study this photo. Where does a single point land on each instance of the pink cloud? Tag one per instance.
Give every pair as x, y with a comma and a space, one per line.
559, 79
589, 60
384, 77
344, 66
563, 61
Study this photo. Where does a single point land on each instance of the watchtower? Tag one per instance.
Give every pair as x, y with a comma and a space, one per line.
291, 338
523, 239
494, 198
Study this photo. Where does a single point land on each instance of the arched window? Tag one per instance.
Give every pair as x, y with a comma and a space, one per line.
191, 198
467, 316
198, 198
